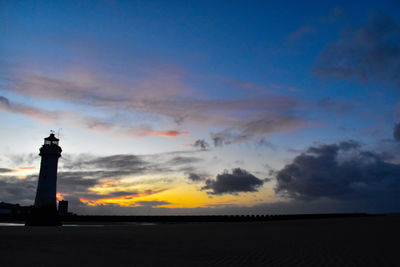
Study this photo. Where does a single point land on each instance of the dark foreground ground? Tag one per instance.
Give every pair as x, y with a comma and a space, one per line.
364, 241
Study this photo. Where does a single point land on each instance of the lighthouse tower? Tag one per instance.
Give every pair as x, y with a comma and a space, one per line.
44, 211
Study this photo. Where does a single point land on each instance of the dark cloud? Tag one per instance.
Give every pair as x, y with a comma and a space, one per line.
24, 159
342, 172
111, 166
15, 190
396, 132
186, 169
122, 193
115, 194
218, 141
4, 101
202, 144
78, 174
179, 120
263, 142
152, 203
126, 162
239, 162
293, 150
266, 126
371, 53
82, 172
194, 177
349, 144
183, 160
77, 183
232, 183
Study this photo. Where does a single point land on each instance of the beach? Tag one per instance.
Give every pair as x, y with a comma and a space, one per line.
364, 241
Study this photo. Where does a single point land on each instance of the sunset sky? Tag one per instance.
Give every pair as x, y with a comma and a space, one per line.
203, 107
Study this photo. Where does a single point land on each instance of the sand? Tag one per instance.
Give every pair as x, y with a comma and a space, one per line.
371, 241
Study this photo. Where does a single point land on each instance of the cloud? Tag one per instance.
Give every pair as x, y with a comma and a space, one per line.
371, 53
152, 203
201, 143
183, 160
123, 163
164, 133
220, 137
4, 102
123, 198
94, 180
17, 160
29, 111
340, 172
165, 97
194, 177
95, 190
5, 170
267, 126
263, 142
230, 114
396, 132
77, 182
14, 190
232, 183
255, 130
94, 124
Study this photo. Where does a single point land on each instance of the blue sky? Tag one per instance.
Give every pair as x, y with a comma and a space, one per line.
202, 89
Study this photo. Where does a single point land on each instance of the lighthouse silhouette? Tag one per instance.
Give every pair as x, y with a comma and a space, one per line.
44, 211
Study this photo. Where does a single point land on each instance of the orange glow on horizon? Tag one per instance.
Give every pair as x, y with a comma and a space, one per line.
60, 196
123, 200
23, 169
182, 196
21, 172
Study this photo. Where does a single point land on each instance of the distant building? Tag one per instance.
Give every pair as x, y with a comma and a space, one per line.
62, 207
14, 209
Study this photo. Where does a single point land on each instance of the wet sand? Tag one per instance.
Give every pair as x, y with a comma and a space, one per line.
369, 241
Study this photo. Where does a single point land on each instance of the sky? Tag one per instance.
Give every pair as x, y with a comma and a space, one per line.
203, 107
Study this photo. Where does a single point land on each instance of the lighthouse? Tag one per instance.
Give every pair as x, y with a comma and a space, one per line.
44, 211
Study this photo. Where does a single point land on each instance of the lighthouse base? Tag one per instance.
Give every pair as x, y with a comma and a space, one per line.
43, 217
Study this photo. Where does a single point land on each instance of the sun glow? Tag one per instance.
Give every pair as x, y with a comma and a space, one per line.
178, 195
60, 196
21, 172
